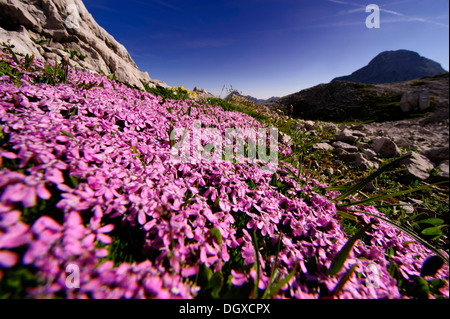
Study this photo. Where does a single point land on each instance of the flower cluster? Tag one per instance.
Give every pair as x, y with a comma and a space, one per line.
97, 158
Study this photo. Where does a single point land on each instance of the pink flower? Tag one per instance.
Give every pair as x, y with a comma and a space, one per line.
8, 258
54, 175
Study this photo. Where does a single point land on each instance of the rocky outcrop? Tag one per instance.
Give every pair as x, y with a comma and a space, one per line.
414, 101
64, 28
364, 145
344, 101
394, 66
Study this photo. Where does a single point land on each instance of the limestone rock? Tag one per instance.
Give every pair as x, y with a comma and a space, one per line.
331, 127
345, 146
414, 101
285, 139
347, 136
323, 146
385, 146
417, 167
357, 159
443, 173
66, 24
436, 155
369, 153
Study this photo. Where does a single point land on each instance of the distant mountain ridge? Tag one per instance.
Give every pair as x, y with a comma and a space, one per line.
394, 66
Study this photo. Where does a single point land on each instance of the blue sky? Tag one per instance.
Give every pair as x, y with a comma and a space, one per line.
268, 48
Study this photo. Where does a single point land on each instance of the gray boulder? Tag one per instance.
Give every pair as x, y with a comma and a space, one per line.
323, 146
417, 167
385, 146
347, 136
356, 159
414, 101
443, 171
345, 146
436, 155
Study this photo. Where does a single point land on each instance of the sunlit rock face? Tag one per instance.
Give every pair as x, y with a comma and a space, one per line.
64, 28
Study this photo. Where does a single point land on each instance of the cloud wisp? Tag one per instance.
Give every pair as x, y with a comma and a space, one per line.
400, 17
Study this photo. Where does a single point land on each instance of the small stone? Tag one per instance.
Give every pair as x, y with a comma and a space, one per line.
323, 147
443, 171
347, 136
385, 146
407, 207
345, 146
417, 167
362, 145
369, 153
436, 155
369, 187
356, 159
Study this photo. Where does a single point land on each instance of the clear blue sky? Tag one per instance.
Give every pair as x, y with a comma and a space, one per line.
268, 48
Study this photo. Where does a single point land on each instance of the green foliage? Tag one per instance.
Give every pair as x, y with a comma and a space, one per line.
38, 41
339, 260
54, 74
418, 286
16, 281
176, 93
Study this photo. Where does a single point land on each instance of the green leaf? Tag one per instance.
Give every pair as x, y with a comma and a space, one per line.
75, 181
214, 232
418, 288
273, 181
432, 231
347, 215
66, 133
343, 280
387, 195
360, 185
274, 267
251, 183
258, 267
338, 261
436, 284
395, 273
215, 284
274, 290
409, 232
419, 216
431, 221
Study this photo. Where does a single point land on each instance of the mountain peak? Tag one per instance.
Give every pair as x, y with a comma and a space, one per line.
394, 66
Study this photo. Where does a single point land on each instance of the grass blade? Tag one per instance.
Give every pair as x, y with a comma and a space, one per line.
338, 261
343, 281
258, 266
385, 195
281, 283
275, 263
408, 232
363, 182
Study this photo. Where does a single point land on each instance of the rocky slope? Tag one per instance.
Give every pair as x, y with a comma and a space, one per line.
394, 66
345, 101
64, 28
425, 134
